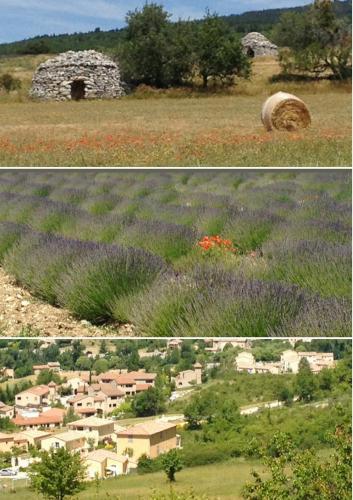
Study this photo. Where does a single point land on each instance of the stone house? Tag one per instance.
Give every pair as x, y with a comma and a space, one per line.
78, 75
256, 44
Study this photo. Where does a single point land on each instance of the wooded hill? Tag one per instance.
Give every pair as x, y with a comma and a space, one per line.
262, 21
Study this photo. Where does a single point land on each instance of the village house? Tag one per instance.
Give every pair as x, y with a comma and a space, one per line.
245, 362
290, 360
49, 419
218, 345
34, 437
74, 441
188, 378
105, 463
150, 439
14, 440
7, 373
6, 411
268, 367
37, 396
53, 366
174, 344
97, 428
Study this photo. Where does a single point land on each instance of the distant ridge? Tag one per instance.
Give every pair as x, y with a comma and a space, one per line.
262, 21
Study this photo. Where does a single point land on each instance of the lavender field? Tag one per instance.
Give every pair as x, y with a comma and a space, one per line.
185, 253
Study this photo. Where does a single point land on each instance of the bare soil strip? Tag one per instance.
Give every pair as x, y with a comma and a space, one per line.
21, 314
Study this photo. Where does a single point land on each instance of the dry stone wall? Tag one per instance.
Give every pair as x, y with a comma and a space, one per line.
86, 74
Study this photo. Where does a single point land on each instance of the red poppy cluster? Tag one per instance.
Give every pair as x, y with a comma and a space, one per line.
210, 242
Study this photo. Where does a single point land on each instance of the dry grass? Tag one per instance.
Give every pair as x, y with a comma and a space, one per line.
174, 128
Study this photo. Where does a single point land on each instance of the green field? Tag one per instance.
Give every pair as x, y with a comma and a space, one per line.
175, 127
221, 481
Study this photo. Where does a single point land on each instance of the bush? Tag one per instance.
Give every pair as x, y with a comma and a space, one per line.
9, 82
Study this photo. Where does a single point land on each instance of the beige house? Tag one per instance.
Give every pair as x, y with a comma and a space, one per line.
82, 402
188, 378
36, 397
150, 438
71, 440
219, 344
14, 440
290, 360
105, 463
34, 437
268, 367
7, 372
245, 362
6, 411
94, 427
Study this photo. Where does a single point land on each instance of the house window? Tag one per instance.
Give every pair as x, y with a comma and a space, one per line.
130, 439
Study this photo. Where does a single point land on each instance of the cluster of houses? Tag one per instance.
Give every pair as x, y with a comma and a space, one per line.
106, 448
289, 362
41, 416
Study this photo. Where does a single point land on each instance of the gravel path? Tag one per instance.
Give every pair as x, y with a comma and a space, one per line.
23, 315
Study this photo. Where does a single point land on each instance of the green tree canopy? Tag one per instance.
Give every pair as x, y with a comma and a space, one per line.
58, 475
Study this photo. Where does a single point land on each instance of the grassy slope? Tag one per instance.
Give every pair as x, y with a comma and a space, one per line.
222, 481
220, 130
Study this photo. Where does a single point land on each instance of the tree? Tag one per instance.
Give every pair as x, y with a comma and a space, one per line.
9, 82
156, 52
305, 382
46, 376
317, 41
83, 363
198, 411
218, 53
150, 402
171, 463
285, 394
70, 416
100, 366
58, 475
302, 475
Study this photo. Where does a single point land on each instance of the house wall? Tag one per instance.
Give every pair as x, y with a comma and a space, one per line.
163, 442
140, 445
94, 468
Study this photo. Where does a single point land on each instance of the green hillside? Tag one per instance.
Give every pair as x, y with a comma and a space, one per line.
262, 21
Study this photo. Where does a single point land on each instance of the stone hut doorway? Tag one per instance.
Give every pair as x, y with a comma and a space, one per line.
78, 90
250, 52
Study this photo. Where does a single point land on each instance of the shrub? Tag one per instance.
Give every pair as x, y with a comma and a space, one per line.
9, 82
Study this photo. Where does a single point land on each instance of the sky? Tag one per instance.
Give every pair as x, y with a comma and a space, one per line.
21, 19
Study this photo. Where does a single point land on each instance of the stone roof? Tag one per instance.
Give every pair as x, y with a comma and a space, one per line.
78, 58
258, 44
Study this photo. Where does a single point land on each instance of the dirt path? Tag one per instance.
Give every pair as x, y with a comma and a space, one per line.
23, 315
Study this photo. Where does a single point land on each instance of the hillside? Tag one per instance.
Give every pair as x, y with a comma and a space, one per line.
262, 21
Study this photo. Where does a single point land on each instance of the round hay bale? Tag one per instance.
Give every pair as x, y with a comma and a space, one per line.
284, 111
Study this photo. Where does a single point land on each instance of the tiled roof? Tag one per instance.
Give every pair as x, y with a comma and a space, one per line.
146, 429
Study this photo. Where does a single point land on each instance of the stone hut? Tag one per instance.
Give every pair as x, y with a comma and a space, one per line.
255, 44
77, 75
